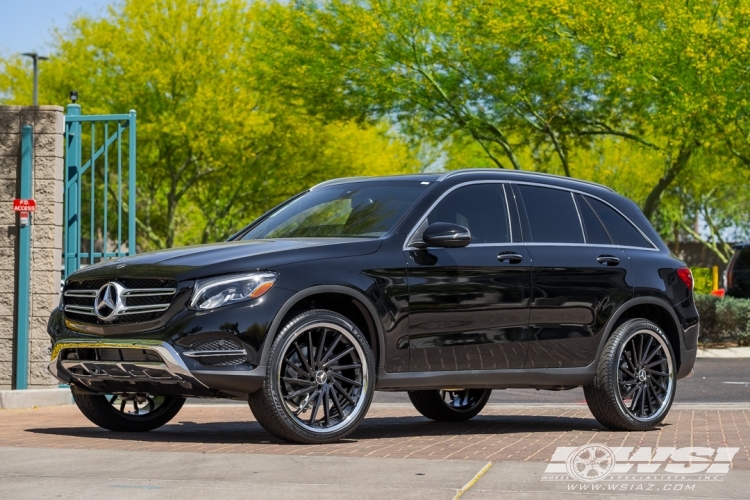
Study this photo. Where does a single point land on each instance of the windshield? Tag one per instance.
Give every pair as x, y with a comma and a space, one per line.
356, 210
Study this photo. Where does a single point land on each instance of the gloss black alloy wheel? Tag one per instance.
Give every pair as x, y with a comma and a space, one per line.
128, 412
450, 405
319, 382
635, 381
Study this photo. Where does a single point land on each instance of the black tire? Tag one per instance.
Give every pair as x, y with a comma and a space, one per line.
305, 372
108, 412
450, 406
634, 385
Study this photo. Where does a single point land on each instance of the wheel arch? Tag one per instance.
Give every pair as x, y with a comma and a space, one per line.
347, 301
654, 309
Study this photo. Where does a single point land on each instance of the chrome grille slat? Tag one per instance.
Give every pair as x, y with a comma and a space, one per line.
142, 309
148, 292
80, 293
81, 310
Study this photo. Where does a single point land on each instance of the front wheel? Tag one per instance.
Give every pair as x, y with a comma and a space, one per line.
319, 382
634, 385
450, 405
128, 412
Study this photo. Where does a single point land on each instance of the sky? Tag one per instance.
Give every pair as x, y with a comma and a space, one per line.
26, 25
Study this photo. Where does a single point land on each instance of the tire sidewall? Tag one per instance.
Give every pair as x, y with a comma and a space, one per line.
621, 337
273, 394
98, 409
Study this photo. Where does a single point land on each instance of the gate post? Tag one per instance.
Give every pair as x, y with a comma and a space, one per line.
72, 207
131, 184
23, 293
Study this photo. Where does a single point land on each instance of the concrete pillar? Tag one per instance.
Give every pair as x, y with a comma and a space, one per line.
46, 234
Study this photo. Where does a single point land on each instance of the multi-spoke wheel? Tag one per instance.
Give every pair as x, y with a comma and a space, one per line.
128, 412
634, 384
319, 381
450, 405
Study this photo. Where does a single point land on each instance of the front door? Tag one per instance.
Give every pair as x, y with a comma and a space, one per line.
469, 307
579, 278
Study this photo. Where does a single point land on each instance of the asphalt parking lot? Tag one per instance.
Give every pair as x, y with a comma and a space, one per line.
212, 450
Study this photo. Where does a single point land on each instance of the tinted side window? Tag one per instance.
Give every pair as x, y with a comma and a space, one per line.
552, 215
480, 208
592, 226
620, 230
743, 260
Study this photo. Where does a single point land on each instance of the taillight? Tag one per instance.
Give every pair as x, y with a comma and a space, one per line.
686, 276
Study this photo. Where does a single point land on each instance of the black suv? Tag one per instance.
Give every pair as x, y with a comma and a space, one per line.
737, 275
444, 286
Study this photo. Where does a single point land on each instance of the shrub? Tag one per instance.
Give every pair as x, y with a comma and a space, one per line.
724, 321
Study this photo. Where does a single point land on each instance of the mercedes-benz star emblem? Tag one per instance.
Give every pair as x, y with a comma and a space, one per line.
108, 302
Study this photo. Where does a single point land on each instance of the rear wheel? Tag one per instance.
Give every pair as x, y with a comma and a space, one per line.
128, 412
634, 385
319, 382
450, 405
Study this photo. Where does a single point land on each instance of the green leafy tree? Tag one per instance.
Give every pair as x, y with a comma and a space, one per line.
215, 148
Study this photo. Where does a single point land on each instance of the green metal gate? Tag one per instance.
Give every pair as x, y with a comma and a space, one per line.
99, 200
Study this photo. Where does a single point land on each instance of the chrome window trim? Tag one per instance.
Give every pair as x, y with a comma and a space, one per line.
580, 221
414, 229
507, 211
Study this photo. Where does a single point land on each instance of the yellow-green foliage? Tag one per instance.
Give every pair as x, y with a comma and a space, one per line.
216, 147
244, 103
702, 280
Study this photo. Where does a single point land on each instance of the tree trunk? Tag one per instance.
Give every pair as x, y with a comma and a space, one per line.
654, 197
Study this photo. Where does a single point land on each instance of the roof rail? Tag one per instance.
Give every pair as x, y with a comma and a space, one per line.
340, 180
464, 171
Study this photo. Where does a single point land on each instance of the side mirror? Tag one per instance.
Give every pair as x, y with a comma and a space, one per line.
446, 235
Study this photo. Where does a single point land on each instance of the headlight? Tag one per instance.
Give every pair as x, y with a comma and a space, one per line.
216, 292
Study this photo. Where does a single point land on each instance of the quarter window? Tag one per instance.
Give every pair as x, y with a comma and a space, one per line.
480, 208
592, 226
620, 230
552, 215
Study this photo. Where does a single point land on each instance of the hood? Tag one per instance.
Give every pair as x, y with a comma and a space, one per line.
230, 257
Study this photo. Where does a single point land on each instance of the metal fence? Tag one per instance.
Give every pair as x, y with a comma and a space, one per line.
99, 200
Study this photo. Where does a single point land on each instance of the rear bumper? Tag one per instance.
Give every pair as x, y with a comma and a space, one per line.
167, 375
688, 352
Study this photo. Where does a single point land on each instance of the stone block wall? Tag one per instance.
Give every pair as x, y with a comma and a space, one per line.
46, 234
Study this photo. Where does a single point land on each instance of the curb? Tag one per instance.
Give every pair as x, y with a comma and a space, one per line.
726, 353
30, 398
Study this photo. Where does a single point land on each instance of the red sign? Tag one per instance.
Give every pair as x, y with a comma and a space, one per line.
20, 205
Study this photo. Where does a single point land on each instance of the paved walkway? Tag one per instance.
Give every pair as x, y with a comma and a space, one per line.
218, 450
502, 432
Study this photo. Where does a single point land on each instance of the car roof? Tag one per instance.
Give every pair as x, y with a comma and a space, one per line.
473, 173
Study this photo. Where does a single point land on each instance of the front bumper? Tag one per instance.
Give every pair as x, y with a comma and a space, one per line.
161, 371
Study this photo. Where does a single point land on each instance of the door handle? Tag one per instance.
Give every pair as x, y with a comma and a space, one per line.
512, 257
609, 260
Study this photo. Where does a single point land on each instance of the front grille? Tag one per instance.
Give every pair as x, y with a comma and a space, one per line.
140, 300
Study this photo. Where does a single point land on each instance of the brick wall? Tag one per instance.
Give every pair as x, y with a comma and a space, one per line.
46, 233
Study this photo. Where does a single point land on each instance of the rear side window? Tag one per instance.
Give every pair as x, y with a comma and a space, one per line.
479, 207
552, 215
592, 226
743, 260
620, 230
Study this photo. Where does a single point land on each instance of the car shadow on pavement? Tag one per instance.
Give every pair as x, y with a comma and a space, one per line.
374, 428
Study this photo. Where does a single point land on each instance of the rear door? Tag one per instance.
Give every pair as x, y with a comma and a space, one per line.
469, 307
578, 277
